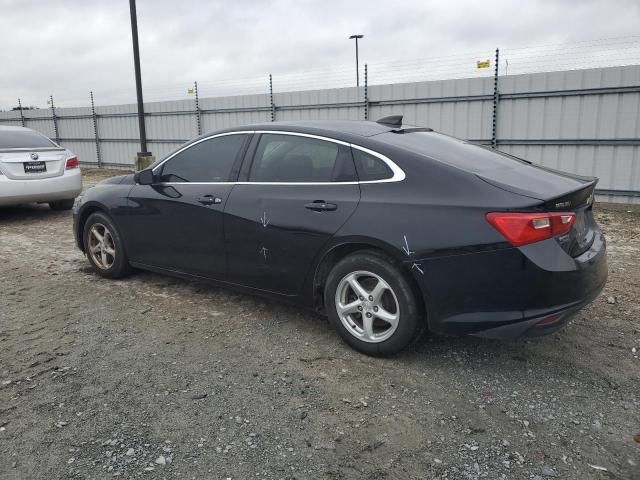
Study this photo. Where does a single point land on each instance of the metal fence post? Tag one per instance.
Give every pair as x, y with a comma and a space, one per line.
55, 119
198, 119
273, 107
95, 130
366, 92
496, 100
21, 113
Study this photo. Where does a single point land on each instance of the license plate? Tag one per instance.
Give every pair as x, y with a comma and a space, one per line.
35, 167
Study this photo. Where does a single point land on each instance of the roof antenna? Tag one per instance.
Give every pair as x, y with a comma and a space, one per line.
391, 121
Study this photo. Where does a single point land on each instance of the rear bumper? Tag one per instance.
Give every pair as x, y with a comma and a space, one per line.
544, 324
17, 192
526, 291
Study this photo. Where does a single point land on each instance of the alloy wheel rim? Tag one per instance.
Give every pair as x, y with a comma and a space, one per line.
367, 306
101, 246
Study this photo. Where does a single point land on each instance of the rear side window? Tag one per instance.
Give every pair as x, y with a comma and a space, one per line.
292, 158
208, 161
370, 167
23, 139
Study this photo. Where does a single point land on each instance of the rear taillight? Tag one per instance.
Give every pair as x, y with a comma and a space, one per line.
524, 228
72, 162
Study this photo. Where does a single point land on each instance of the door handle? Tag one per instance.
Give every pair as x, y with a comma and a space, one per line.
321, 206
210, 200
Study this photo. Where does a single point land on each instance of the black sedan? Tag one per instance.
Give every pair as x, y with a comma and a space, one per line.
387, 229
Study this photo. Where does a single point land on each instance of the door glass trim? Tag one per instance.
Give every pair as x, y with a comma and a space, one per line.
398, 173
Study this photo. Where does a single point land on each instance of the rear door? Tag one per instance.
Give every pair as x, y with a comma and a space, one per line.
176, 223
298, 191
26, 154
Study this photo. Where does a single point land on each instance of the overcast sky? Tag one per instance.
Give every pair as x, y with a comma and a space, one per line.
68, 47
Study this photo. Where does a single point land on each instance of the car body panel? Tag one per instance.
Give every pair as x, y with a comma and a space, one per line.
484, 290
108, 196
167, 226
272, 237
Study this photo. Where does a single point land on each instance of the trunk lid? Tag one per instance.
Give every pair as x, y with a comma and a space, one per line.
558, 192
536, 181
38, 163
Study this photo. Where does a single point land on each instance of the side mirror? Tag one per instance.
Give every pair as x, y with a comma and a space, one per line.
144, 177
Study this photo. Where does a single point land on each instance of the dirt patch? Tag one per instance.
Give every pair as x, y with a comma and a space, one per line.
158, 377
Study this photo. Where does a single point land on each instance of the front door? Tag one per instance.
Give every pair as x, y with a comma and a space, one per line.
177, 223
299, 191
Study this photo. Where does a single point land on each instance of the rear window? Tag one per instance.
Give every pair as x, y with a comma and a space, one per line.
23, 139
453, 151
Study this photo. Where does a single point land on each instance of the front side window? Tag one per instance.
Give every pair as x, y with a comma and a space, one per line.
208, 161
370, 167
292, 158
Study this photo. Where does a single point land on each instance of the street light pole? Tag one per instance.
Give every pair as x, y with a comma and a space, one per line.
136, 64
356, 37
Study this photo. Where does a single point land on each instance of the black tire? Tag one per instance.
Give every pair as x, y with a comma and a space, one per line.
411, 322
120, 264
61, 205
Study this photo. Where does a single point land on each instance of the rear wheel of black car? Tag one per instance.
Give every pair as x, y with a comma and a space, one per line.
61, 205
372, 305
104, 247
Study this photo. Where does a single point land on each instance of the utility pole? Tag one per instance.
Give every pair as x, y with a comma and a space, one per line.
356, 38
140, 162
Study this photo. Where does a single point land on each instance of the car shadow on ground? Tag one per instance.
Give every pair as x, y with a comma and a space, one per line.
33, 211
315, 329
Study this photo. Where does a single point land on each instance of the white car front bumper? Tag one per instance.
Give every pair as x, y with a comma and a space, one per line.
17, 192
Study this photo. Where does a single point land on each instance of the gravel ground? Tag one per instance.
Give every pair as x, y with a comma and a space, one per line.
155, 377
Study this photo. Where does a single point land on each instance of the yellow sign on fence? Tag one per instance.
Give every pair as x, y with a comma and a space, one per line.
483, 63
189, 91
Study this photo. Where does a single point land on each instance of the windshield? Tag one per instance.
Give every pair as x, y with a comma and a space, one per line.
23, 139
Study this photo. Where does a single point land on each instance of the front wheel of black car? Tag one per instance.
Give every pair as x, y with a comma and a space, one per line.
104, 247
372, 305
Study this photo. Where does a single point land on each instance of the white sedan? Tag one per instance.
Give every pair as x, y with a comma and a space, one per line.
35, 169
